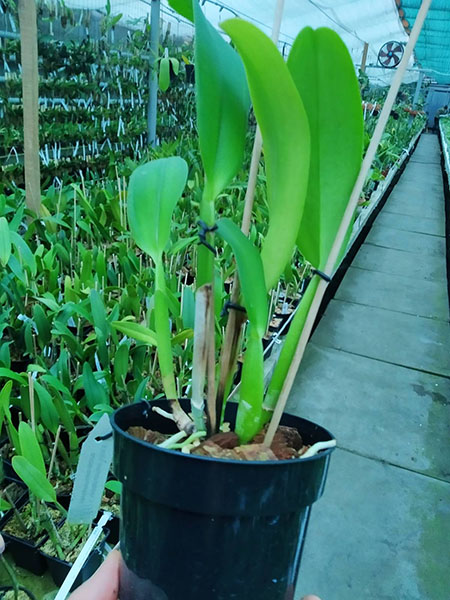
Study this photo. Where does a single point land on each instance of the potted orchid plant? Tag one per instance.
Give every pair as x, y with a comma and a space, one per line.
216, 500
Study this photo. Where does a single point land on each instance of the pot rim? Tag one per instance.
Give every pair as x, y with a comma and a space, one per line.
208, 459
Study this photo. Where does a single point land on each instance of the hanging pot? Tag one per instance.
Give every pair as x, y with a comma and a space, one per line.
195, 527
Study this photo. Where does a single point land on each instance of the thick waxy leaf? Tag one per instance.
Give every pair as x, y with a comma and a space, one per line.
29, 447
183, 7
164, 73
251, 274
251, 277
324, 74
249, 415
285, 131
37, 483
222, 105
153, 192
5, 241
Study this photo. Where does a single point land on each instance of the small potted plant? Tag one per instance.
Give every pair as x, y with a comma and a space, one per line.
215, 501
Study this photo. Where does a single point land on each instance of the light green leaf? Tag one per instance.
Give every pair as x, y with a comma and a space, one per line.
37, 483
42, 323
26, 256
183, 7
29, 447
95, 392
222, 105
181, 337
285, 132
330, 93
153, 192
251, 274
136, 331
121, 358
175, 64
5, 242
164, 73
49, 414
114, 486
12, 375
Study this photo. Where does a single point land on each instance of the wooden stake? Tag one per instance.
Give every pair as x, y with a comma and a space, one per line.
53, 457
30, 97
364, 57
346, 220
236, 318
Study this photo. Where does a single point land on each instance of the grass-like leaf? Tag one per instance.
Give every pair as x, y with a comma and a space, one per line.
29, 447
37, 483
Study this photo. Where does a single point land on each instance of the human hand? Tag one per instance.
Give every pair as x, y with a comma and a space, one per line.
104, 583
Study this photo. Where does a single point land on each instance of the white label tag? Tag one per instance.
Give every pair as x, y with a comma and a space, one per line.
92, 472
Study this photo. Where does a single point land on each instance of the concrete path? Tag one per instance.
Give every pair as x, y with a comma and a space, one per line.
377, 374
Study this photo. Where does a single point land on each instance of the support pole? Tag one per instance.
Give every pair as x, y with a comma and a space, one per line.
30, 93
153, 76
416, 95
418, 89
364, 57
346, 220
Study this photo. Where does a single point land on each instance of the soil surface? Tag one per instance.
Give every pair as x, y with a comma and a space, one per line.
33, 531
287, 444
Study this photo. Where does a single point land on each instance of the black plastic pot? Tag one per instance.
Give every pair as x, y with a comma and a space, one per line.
26, 554
198, 528
59, 569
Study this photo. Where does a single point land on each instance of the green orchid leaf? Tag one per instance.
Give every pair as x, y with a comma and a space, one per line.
26, 256
164, 73
29, 447
49, 414
251, 273
285, 131
136, 331
180, 338
36, 482
222, 105
287, 353
94, 390
121, 359
42, 323
183, 7
175, 64
114, 486
5, 242
330, 92
153, 192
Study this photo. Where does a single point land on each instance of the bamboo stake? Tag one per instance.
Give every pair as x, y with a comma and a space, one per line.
236, 318
346, 220
30, 92
364, 57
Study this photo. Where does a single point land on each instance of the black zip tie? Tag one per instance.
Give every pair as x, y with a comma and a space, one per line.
100, 438
204, 229
228, 304
321, 274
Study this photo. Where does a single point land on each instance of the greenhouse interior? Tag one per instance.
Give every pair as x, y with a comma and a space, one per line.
224, 259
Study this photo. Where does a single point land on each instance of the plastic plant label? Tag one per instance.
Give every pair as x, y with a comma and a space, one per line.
92, 472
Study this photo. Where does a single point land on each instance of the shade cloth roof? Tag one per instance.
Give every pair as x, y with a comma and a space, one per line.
433, 45
357, 21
